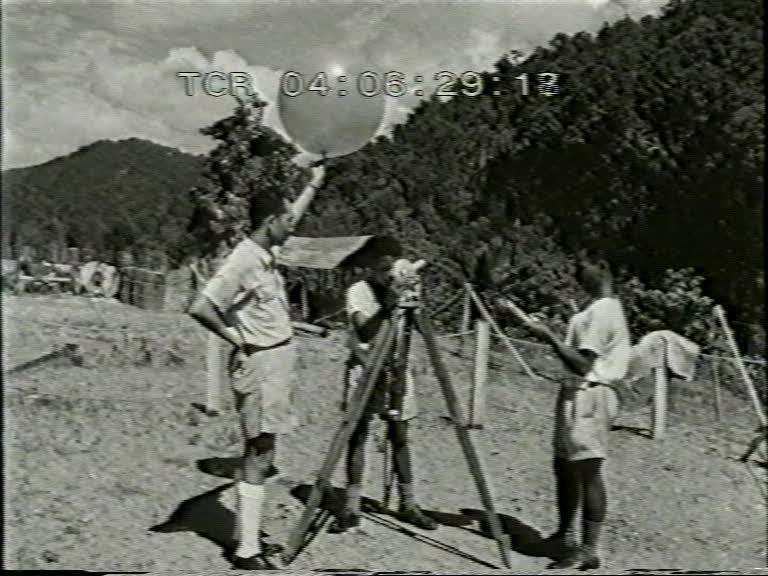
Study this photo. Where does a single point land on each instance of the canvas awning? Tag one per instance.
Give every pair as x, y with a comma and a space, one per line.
321, 253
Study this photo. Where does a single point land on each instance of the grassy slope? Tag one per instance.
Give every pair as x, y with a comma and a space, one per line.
85, 479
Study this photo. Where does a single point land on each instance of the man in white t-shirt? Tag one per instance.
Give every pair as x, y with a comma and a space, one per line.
597, 349
368, 303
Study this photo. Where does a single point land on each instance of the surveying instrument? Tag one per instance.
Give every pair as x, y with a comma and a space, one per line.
391, 347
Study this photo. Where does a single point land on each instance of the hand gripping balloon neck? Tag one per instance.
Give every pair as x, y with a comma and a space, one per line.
406, 282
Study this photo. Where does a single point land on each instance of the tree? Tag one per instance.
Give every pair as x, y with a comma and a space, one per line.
250, 159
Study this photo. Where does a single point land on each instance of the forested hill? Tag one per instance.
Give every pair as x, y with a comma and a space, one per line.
652, 153
108, 195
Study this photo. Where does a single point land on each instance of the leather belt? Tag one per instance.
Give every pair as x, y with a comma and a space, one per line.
252, 348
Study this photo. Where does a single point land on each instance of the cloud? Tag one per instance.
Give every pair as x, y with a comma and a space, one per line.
484, 48
93, 90
109, 70
395, 113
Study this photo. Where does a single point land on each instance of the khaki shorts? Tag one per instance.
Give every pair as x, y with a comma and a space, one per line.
265, 387
377, 402
583, 419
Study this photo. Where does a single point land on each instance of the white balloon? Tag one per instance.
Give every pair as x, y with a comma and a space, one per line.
338, 122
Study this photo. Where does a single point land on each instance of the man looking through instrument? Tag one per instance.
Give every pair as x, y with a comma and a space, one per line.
368, 303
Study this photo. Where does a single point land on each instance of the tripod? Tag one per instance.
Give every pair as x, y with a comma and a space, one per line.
393, 341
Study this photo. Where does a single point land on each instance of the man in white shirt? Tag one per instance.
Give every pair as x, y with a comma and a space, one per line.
597, 349
368, 303
245, 303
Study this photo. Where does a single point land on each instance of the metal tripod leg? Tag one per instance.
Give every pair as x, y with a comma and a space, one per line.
473, 461
381, 352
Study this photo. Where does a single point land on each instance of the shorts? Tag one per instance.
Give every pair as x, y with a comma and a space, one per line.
377, 402
265, 387
583, 419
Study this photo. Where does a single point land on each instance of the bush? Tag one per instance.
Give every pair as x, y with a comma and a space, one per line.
532, 269
679, 305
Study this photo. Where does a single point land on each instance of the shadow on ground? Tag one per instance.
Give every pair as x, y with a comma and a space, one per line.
523, 539
206, 516
643, 432
227, 467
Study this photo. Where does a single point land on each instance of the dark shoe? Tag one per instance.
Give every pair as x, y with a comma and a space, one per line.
257, 562
344, 522
581, 559
557, 546
414, 515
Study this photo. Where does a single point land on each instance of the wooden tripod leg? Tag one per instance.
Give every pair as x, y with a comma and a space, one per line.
381, 351
473, 460
755, 444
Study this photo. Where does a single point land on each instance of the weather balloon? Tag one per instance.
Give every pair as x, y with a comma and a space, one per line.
333, 107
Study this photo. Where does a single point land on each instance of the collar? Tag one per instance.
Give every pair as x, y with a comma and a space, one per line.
266, 256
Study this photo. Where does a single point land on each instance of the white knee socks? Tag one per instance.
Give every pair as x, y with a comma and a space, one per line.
250, 499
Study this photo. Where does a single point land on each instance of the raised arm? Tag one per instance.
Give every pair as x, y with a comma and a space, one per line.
301, 203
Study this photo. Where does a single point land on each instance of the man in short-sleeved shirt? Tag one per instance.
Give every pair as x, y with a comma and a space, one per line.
586, 409
245, 303
251, 292
597, 349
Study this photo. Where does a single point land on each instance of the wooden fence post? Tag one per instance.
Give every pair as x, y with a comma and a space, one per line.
466, 318
659, 414
477, 398
304, 301
716, 382
488, 318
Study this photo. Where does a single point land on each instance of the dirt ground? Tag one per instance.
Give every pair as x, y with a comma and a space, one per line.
97, 454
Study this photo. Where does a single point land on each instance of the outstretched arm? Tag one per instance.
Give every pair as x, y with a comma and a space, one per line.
578, 361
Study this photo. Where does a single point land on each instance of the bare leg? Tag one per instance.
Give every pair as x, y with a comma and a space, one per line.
350, 515
356, 465
397, 432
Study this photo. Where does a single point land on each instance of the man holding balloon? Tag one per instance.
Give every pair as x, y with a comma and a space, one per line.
245, 303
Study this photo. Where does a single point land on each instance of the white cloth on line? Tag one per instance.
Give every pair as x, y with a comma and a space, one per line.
663, 347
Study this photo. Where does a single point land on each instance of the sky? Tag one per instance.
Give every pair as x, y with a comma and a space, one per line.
75, 72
